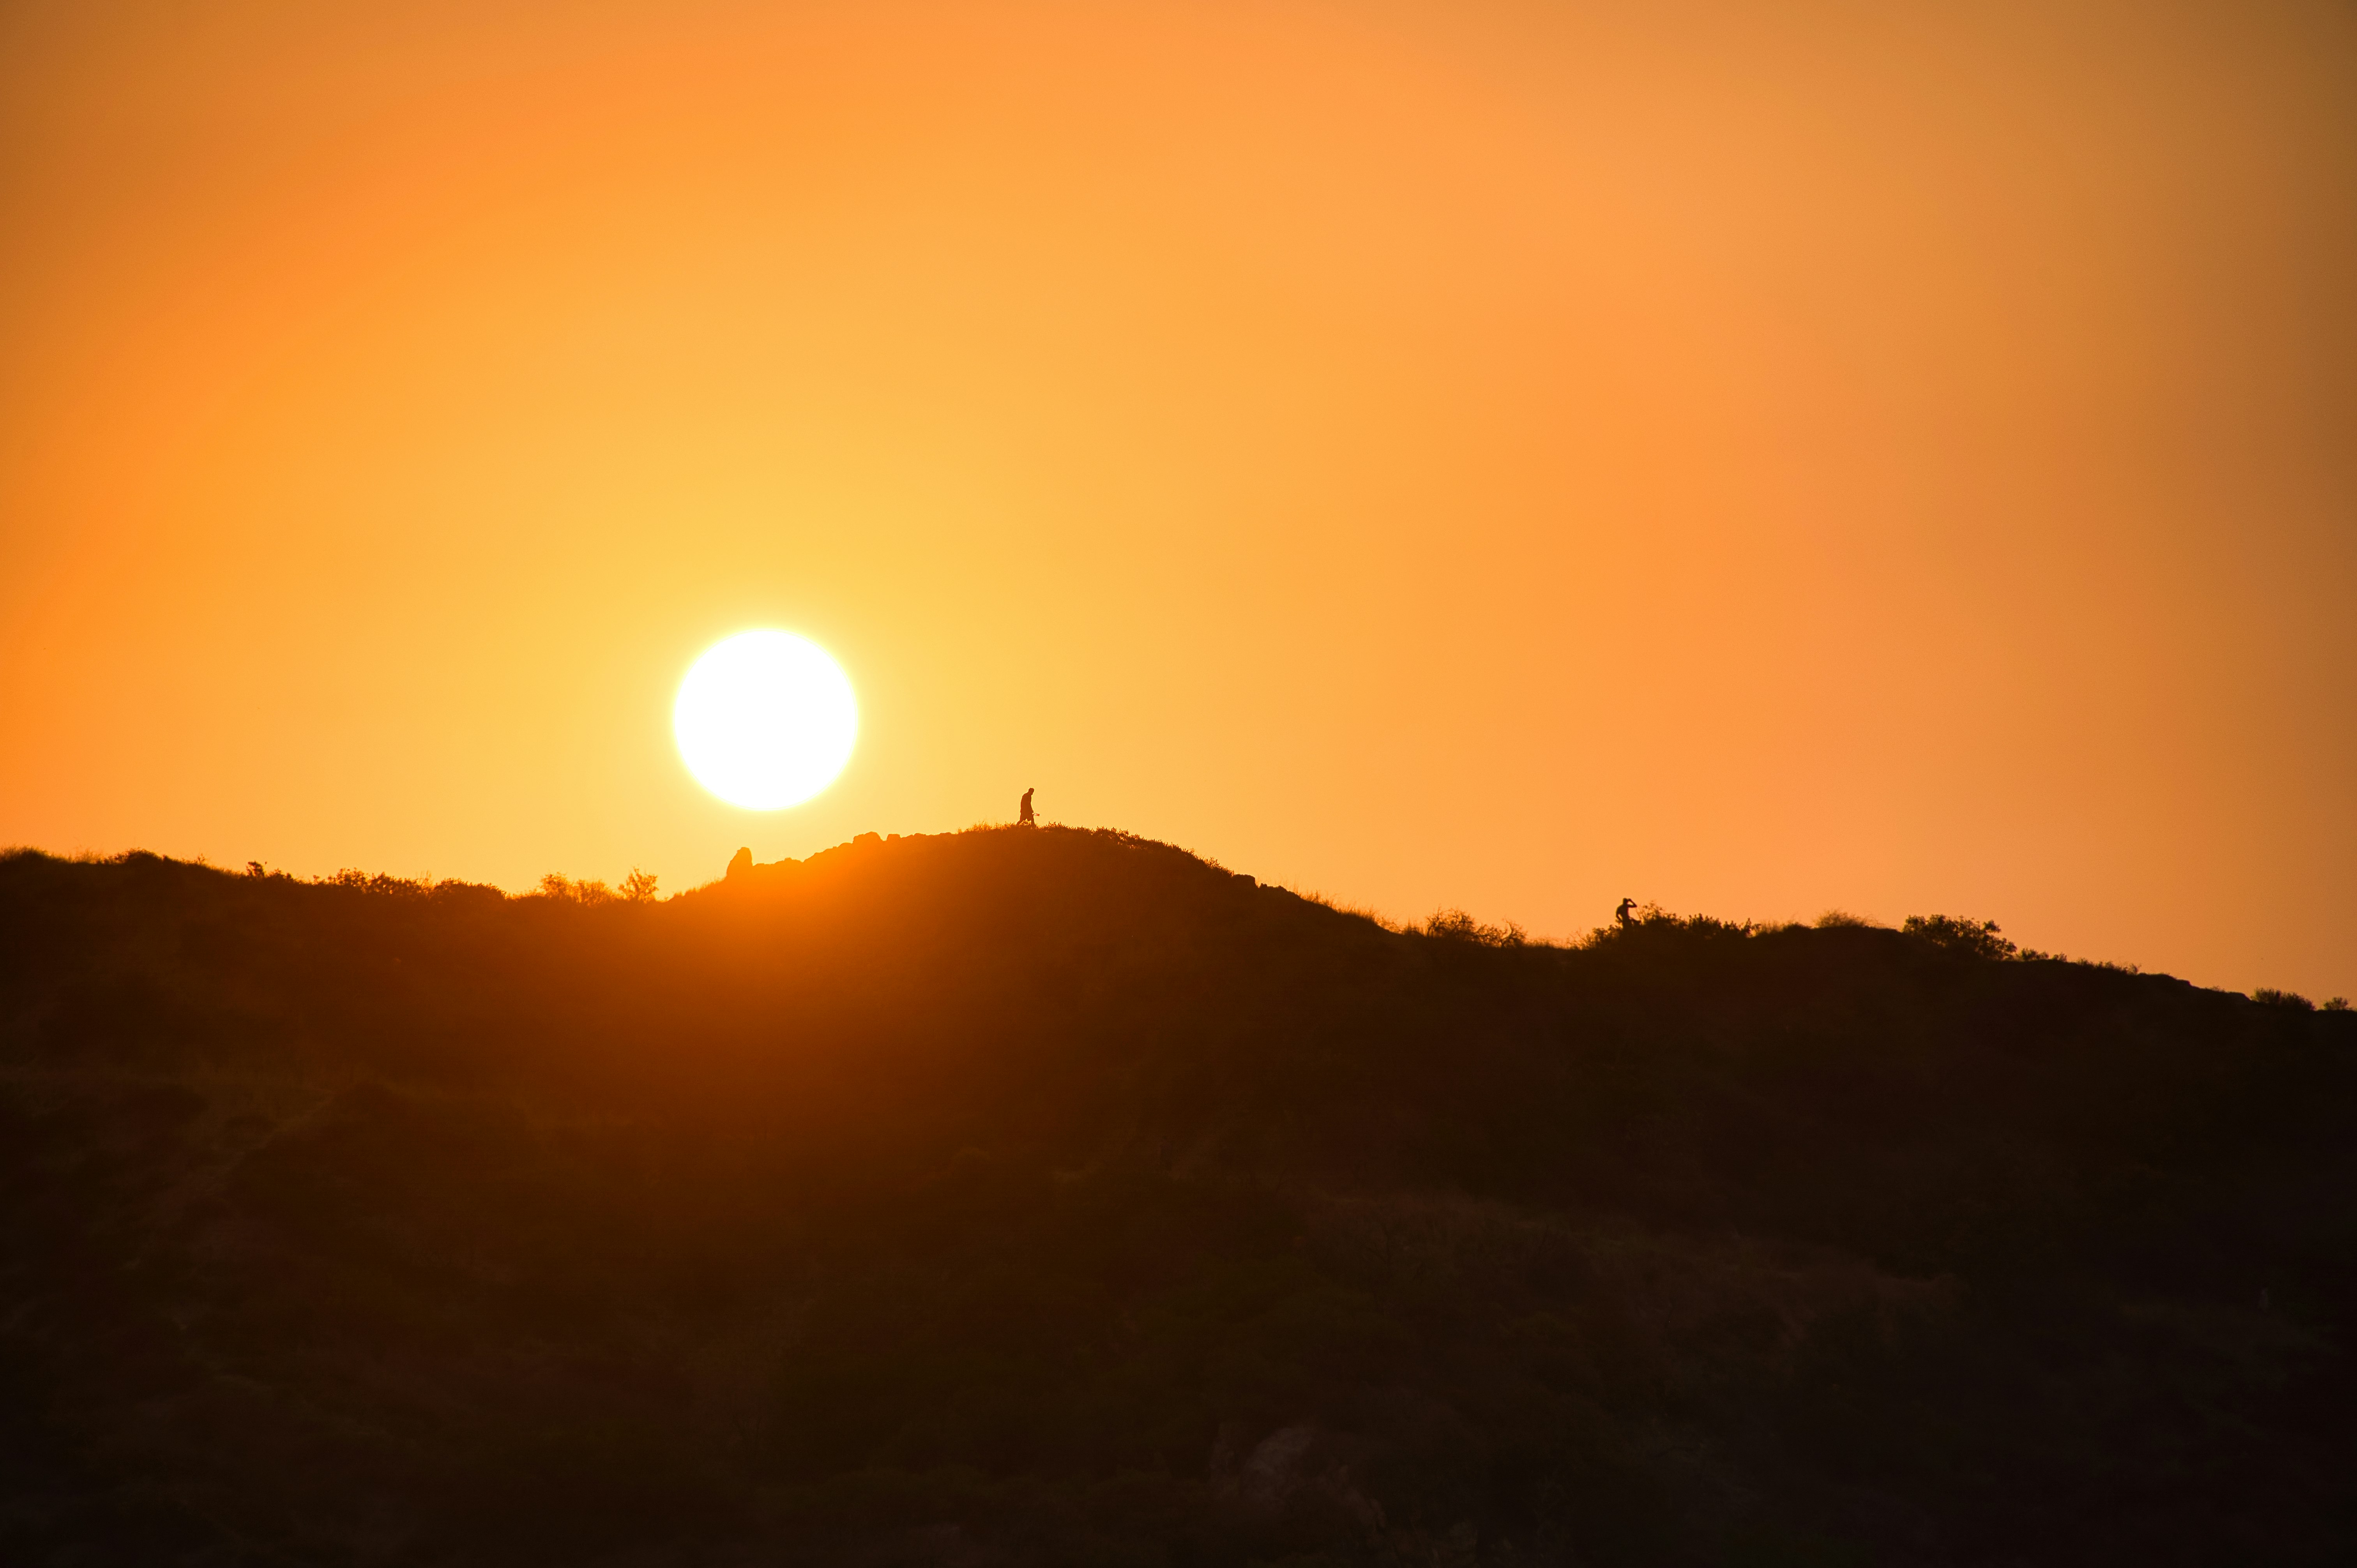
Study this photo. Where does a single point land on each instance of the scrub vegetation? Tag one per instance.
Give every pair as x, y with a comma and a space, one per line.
1055, 1197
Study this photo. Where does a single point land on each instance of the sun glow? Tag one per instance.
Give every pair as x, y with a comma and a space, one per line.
765, 720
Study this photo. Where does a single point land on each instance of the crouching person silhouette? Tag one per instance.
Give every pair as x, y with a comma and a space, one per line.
1027, 819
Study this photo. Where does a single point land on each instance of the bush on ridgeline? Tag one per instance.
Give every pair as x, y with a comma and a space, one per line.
379, 882
637, 888
1651, 922
563, 889
2269, 996
1971, 939
1457, 925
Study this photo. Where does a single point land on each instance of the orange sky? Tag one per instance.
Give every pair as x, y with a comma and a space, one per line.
1758, 457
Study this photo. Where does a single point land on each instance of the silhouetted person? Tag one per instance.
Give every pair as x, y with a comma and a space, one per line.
1027, 819
1626, 905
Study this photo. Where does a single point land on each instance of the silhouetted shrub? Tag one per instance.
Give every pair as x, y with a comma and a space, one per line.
565, 890
1977, 939
1651, 922
454, 893
1457, 925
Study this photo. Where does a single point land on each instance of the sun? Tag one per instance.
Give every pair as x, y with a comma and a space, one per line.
765, 720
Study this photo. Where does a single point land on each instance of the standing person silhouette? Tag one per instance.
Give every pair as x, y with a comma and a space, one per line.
1027, 819
1626, 905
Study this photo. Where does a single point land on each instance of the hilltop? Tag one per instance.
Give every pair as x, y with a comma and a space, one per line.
1056, 1197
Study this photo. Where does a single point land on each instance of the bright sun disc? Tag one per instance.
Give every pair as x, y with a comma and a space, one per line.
765, 720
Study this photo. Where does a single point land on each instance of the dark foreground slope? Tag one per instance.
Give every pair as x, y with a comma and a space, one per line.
1045, 1197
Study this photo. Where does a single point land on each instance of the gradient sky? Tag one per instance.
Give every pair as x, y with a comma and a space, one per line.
1758, 457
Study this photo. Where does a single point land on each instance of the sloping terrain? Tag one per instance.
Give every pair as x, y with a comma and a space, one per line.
1052, 1196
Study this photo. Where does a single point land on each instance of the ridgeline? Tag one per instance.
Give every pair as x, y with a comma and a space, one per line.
1050, 1196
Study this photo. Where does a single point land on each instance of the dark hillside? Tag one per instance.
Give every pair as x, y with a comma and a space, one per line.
1054, 1197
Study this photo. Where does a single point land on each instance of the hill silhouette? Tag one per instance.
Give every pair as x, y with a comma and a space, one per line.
1054, 1196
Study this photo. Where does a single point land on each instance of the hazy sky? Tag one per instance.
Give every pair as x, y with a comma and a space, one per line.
1758, 457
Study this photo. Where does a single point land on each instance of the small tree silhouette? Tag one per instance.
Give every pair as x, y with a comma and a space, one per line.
557, 885
1978, 939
